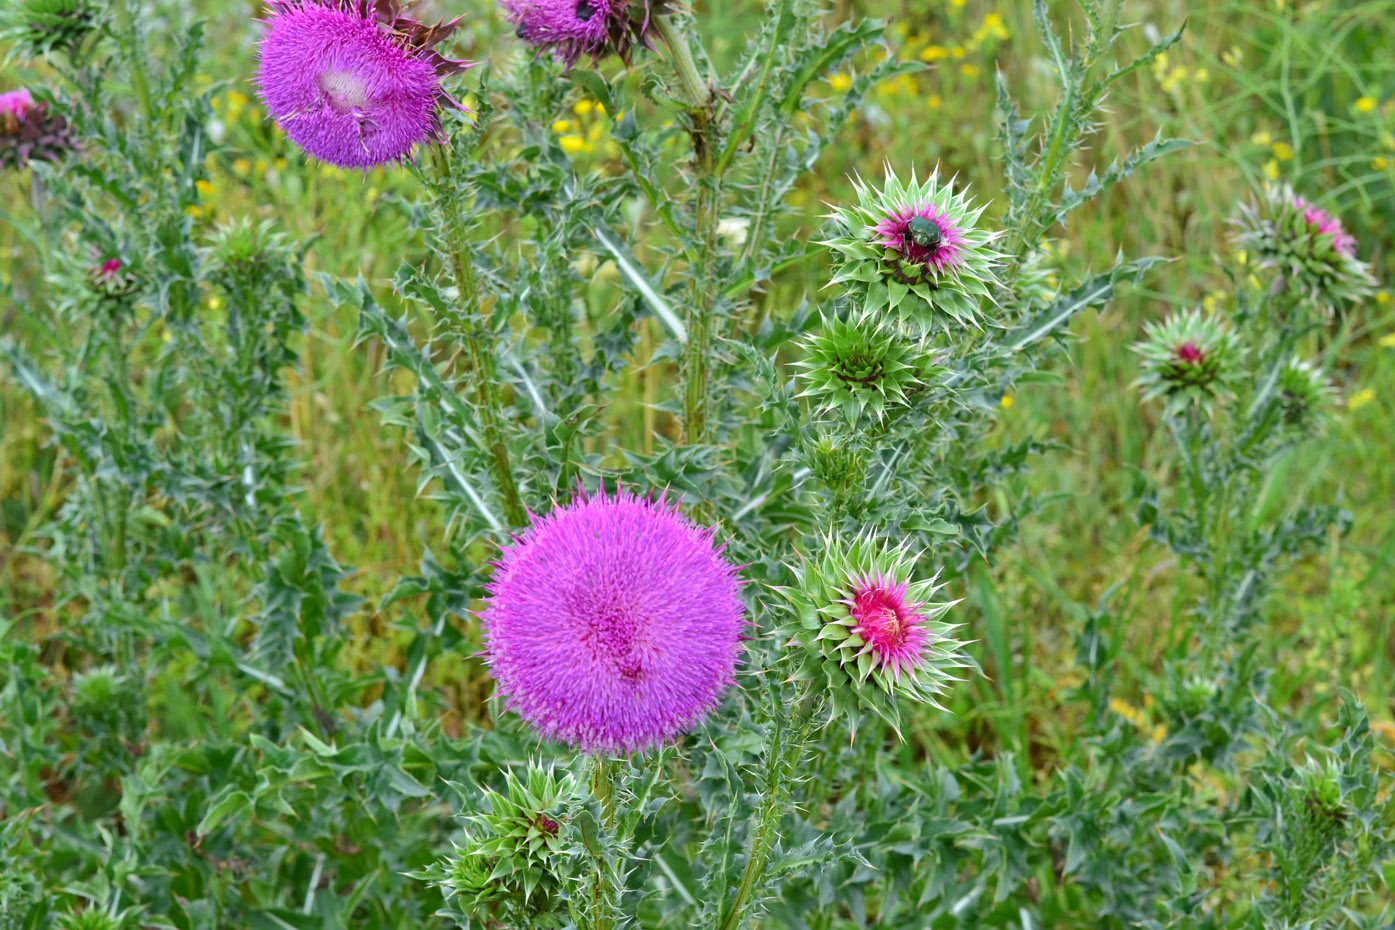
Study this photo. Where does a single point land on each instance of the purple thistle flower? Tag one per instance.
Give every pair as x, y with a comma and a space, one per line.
614, 624
353, 82
29, 132
940, 244
569, 29
16, 103
889, 622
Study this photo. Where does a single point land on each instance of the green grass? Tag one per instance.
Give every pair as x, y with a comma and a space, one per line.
1295, 76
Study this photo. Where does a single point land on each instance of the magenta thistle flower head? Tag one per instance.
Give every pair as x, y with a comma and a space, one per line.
866, 632
1311, 255
614, 624
569, 29
29, 132
16, 104
354, 82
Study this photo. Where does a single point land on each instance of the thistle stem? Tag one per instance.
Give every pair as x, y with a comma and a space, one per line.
696, 356
602, 914
126, 24
699, 94
479, 345
786, 747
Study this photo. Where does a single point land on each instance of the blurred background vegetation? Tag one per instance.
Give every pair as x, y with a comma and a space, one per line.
1302, 92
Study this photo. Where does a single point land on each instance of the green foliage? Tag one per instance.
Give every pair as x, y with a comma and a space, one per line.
208, 720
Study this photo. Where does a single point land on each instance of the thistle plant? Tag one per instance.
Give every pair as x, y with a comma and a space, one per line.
701, 653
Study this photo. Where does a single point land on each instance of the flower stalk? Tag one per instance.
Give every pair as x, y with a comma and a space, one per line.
478, 344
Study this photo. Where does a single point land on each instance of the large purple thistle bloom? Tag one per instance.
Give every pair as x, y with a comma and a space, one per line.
614, 624
353, 82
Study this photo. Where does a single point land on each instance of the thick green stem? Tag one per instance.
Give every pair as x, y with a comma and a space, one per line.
699, 94
478, 343
785, 749
601, 914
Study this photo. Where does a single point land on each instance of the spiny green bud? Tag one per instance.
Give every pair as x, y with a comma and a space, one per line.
42, 26
857, 366
1320, 790
1304, 395
865, 630
1188, 359
248, 255
95, 918
516, 864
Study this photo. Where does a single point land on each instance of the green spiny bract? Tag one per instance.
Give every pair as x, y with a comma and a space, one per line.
1306, 247
39, 27
1188, 359
858, 366
863, 628
516, 865
915, 249
243, 254
1304, 395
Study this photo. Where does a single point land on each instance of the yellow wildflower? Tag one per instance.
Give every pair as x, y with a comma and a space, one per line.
1365, 104
933, 53
206, 188
1261, 138
840, 82
1006, 402
1282, 151
1387, 341
1379, 163
969, 71
1271, 170
582, 107
1360, 399
957, 51
572, 144
1383, 298
934, 101
561, 126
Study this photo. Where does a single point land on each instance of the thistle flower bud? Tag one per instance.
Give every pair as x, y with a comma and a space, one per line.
355, 83
1307, 248
1188, 359
43, 26
1304, 395
865, 630
914, 249
29, 132
516, 864
857, 366
242, 254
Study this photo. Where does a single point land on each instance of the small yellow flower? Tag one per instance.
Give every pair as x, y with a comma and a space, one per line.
1379, 163
957, 3
242, 166
969, 71
934, 53
1160, 733
260, 165
1202, 75
1006, 402
1383, 298
582, 107
572, 144
561, 126
840, 82
957, 51
1282, 151
1242, 257
1271, 170
1387, 341
1126, 710
1261, 138
1360, 399
206, 188
600, 109
934, 101
1233, 56
214, 303
1365, 104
